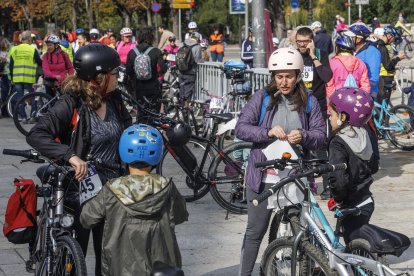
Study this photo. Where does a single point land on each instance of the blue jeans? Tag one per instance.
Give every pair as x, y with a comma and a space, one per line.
411, 103
5, 88
20, 87
216, 57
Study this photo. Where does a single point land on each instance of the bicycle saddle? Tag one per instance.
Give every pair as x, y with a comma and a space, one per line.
45, 172
223, 117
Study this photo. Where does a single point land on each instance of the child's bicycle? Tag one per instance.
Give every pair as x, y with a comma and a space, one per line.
309, 250
395, 124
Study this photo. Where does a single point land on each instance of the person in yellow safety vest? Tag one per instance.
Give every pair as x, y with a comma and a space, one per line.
24, 60
217, 45
65, 45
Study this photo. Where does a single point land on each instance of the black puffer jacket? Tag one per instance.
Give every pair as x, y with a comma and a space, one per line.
349, 187
55, 137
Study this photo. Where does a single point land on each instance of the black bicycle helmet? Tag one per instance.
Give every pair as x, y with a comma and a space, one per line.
94, 58
179, 135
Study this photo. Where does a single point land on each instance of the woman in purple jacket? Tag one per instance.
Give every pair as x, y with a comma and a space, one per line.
285, 119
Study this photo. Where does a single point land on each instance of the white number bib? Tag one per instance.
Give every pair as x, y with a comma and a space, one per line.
216, 103
307, 74
90, 185
171, 57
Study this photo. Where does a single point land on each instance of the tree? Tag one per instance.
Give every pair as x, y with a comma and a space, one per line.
27, 10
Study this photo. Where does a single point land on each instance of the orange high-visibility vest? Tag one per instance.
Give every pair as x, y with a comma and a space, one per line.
219, 47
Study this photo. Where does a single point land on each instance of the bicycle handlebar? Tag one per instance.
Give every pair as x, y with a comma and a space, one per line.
29, 154
317, 170
284, 162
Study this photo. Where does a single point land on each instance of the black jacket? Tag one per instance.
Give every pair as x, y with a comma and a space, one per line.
323, 41
54, 137
349, 187
388, 63
146, 87
322, 75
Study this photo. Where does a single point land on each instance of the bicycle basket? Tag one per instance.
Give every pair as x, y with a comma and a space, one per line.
242, 87
234, 69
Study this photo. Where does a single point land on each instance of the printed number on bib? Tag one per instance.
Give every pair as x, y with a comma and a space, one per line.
171, 57
90, 185
307, 74
216, 103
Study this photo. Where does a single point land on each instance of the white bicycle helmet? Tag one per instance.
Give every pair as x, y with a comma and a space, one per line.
275, 40
316, 25
285, 59
126, 31
192, 25
379, 31
94, 31
52, 39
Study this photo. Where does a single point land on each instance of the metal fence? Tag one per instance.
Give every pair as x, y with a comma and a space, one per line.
210, 76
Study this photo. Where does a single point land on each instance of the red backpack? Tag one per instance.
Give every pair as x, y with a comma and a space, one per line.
20, 224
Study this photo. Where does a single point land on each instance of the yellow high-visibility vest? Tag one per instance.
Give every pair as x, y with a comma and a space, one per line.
24, 66
68, 51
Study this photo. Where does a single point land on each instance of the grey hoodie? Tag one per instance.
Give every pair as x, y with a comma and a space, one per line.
196, 50
357, 139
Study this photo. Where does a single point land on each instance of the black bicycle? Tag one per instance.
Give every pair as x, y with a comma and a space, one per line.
196, 170
55, 250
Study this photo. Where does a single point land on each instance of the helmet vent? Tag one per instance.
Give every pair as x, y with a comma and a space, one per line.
289, 63
130, 151
142, 141
131, 132
151, 152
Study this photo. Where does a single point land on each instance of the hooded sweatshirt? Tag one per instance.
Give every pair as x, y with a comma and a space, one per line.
353, 147
140, 214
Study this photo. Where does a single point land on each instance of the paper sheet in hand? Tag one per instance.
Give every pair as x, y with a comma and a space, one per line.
276, 149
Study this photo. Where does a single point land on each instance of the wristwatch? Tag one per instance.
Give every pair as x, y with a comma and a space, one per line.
315, 58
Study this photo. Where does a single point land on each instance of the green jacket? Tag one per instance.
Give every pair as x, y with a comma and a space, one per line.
140, 214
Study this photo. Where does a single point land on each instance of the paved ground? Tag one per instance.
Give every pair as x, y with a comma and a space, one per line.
210, 245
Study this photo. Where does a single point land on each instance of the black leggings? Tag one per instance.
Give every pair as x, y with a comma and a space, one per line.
258, 219
352, 224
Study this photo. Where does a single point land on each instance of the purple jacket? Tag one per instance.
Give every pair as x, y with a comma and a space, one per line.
247, 129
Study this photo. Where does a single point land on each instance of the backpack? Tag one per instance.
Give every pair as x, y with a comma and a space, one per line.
350, 80
19, 223
184, 58
142, 64
265, 103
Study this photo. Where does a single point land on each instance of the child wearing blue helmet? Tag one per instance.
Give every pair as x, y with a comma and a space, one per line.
140, 210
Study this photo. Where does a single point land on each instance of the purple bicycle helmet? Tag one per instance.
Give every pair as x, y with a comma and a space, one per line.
355, 102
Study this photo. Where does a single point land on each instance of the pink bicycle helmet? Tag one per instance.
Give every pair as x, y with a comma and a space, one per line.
355, 102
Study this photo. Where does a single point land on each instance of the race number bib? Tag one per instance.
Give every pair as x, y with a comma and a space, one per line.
307, 74
171, 57
90, 185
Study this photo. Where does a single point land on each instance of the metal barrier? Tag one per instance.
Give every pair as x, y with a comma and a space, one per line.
210, 76
404, 78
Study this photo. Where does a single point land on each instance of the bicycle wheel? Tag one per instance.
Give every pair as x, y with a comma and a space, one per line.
34, 106
226, 139
189, 189
361, 248
281, 225
11, 102
67, 260
399, 126
277, 259
227, 175
409, 49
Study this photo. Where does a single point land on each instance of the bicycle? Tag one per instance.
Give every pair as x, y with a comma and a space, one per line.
395, 124
31, 106
55, 250
312, 248
223, 176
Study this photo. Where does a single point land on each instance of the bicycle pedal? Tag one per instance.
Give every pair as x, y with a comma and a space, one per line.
30, 266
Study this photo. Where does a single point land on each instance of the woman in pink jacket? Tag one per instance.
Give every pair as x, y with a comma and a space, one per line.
55, 64
125, 45
343, 63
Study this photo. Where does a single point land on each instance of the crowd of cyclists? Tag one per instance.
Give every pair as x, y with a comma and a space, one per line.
91, 122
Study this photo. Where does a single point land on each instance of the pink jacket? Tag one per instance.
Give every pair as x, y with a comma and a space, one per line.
340, 66
56, 64
123, 50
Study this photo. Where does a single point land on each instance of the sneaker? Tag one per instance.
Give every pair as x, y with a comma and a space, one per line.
325, 195
30, 121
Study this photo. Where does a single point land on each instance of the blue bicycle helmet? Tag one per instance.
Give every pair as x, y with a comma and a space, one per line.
141, 143
360, 30
391, 31
80, 31
345, 42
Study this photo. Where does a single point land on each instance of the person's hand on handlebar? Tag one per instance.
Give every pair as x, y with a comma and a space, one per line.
80, 167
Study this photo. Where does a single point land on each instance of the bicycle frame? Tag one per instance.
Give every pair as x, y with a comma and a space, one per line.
338, 260
383, 112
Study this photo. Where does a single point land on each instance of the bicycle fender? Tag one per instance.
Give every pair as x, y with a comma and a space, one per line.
230, 125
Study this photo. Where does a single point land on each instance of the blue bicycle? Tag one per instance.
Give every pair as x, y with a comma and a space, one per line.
395, 124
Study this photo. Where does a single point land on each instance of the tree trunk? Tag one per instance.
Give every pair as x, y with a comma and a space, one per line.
175, 23
89, 10
74, 18
149, 18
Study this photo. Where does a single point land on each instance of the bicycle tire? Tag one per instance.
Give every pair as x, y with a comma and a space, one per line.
43, 103
310, 260
9, 103
275, 229
227, 138
404, 116
170, 168
362, 248
409, 49
230, 197
68, 250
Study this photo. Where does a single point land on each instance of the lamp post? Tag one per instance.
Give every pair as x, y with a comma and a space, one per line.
310, 13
